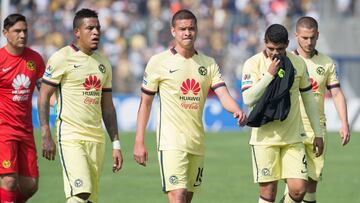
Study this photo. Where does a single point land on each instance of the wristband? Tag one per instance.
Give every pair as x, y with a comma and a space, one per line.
116, 144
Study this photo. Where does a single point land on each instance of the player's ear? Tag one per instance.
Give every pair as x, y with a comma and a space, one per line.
173, 31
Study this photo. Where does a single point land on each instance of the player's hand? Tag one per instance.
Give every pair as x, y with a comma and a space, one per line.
345, 135
140, 153
318, 146
117, 160
274, 66
241, 117
48, 146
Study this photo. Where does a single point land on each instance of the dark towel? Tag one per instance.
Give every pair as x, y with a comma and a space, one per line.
275, 103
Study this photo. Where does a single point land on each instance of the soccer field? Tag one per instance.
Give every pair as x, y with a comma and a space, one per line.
227, 174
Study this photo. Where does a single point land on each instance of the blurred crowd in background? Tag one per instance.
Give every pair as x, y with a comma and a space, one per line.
134, 30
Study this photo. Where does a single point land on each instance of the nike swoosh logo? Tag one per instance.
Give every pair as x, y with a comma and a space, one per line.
6, 69
77, 66
173, 71
303, 171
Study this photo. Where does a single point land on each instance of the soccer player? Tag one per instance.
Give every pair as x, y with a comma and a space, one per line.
181, 77
323, 76
81, 79
277, 148
21, 68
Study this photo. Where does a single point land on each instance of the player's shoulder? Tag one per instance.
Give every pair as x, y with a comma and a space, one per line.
161, 56
208, 60
324, 58
61, 54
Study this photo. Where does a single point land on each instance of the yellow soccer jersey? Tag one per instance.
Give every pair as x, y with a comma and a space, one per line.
276, 132
182, 86
80, 79
323, 76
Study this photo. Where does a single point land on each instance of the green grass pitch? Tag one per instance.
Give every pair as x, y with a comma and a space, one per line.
227, 173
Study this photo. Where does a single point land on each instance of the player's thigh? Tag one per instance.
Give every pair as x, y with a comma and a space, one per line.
195, 172
8, 156
315, 164
294, 161
173, 169
96, 152
266, 163
27, 158
76, 170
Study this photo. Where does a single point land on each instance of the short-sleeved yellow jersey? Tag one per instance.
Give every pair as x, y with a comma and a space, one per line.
323, 76
80, 79
277, 132
182, 86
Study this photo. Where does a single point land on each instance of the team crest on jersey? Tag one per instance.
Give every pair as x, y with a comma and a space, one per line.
265, 172
320, 70
31, 65
78, 183
174, 180
6, 163
102, 68
202, 70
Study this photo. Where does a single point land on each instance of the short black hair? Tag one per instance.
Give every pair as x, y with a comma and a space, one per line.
81, 14
276, 34
307, 22
183, 14
12, 19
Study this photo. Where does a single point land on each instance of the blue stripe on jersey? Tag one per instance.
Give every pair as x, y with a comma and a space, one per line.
257, 168
162, 171
60, 144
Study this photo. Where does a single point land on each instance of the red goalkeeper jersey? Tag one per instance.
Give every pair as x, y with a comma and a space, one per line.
18, 76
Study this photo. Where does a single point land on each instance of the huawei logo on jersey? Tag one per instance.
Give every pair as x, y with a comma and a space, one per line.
21, 90
190, 85
314, 85
21, 80
92, 82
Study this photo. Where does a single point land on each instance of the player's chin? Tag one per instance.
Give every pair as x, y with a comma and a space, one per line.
94, 47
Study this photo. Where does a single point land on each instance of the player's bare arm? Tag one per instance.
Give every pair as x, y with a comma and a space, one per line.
341, 108
140, 151
230, 105
109, 118
47, 143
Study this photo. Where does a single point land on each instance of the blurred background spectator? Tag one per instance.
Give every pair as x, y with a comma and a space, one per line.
133, 30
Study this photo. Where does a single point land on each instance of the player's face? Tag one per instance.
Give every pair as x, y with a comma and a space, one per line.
88, 35
306, 39
185, 32
17, 35
272, 49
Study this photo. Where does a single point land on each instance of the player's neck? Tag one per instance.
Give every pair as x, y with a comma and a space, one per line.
304, 54
186, 53
16, 51
84, 50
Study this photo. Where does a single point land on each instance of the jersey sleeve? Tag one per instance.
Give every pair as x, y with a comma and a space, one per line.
249, 76
108, 80
216, 77
332, 79
305, 84
54, 70
152, 77
40, 65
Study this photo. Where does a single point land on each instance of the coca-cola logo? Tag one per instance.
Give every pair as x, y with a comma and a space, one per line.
91, 101
190, 106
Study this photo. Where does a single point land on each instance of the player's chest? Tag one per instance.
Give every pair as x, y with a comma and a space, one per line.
186, 76
19, 73
85, 73
318, 75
